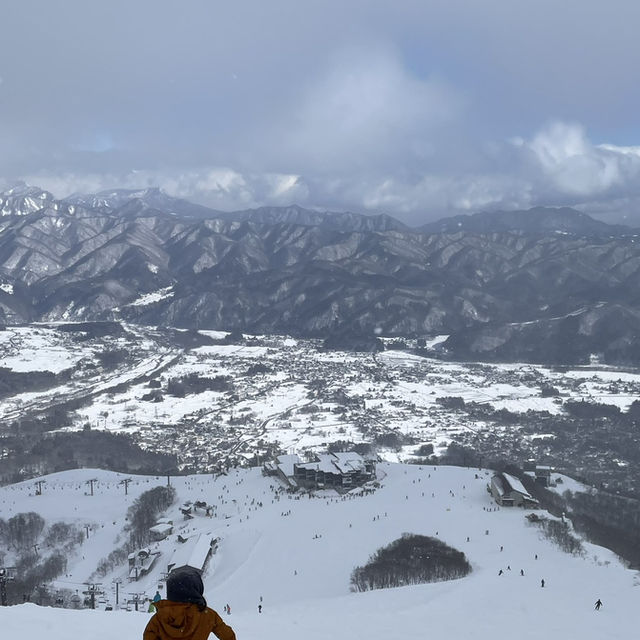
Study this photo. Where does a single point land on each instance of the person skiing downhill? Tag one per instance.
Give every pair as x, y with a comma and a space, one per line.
184, 614
598, 604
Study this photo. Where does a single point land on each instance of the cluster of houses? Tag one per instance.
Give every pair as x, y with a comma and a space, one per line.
342, 470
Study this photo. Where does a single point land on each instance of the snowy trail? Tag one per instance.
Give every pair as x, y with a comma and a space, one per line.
298, 554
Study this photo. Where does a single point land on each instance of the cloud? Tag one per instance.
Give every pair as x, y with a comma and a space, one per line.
218, 187
402, 107
364, 111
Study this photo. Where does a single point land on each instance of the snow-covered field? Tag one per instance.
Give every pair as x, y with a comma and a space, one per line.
298, 553
298, 398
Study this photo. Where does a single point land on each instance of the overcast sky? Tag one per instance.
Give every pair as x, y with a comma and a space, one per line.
419, 109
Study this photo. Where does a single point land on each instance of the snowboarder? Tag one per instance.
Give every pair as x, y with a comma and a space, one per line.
598, 604
185, 613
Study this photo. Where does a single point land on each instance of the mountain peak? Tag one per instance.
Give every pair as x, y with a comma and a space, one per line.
22, 199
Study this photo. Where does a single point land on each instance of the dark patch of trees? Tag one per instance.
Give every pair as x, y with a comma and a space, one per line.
116, 557
559, 532
451, 402
40, 454
392, 440
352, 339
547, 391
14, 382
91, 330
194, 383
144, 512
41, 552
461, 456
309, 408
258, 369
62, 534
412, 559
112, 358
32, 573
190, 339
22, 530
425, 450
153, 396
590, 410
362, 448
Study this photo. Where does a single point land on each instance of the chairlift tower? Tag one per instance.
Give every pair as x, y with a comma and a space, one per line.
92, 591
126, 482
90, 483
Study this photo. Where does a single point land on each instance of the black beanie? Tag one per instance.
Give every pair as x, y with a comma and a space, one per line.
185, 585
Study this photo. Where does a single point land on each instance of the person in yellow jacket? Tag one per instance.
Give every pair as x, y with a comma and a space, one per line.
184, 614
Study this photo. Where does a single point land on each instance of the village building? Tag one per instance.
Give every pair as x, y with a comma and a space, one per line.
194, 552
339, 470
161, 530
508, 491
543, 475
283, 468
140, 562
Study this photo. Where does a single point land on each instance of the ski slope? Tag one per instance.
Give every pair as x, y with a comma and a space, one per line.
297, 553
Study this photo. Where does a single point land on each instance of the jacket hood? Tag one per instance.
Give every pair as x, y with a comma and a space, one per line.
177, 619
185, 585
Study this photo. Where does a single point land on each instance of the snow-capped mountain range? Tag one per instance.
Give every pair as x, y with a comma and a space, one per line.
546, 285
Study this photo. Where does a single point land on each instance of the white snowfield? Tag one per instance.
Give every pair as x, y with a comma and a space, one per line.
297, 553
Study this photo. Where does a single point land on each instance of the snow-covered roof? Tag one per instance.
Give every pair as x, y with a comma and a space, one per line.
347, 461
192, 553
338, 463
515, 484
286, 462
162, 528
498, 484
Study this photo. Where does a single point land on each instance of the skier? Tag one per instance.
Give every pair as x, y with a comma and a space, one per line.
598, 604
185, 613
259, 608
157, 597
542, 582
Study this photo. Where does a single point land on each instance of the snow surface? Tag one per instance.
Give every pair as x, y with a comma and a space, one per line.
34, 348
298, 553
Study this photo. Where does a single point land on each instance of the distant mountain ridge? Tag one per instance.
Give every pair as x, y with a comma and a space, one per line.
143, 256
536, 220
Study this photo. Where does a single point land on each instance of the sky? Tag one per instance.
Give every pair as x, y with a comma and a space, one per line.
415, 108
